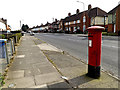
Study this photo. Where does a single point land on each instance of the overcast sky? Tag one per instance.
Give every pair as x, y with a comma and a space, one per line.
35, 12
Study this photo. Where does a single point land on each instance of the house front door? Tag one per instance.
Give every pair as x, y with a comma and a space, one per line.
72, 29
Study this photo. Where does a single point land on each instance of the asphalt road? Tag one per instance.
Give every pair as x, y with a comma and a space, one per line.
77, 46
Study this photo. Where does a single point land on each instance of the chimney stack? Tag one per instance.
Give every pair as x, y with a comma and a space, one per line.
77, 11
56, 20
69, 14
89, 6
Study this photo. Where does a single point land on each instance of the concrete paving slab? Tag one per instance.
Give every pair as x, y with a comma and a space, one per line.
42, 63
47, 78
47, 69
32, 72
71, 72
25, 82
63, 60
40, 68
15, 74
16, 65
28, 73
18, 61
37, 41
44, 86
60, 84
45, 46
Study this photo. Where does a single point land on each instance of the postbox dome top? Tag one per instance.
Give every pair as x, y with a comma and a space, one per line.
96, 28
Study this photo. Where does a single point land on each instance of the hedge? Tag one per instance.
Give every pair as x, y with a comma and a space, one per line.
109, 34
2, 36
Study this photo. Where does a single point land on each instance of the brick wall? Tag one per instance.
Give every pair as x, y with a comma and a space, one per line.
118, 19
110, 27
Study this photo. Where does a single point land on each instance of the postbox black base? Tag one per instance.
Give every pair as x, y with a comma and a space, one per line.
93, 72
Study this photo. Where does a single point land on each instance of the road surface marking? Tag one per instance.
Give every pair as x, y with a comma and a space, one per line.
110, 46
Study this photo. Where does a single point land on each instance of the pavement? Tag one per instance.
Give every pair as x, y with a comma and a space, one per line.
38, 64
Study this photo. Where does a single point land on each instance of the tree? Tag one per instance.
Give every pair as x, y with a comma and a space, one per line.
25, 28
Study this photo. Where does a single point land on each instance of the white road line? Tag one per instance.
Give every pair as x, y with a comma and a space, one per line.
110, 46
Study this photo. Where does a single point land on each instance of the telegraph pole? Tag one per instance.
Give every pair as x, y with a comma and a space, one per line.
20, 24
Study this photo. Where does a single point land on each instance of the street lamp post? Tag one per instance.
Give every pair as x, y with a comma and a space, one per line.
83, 4
20, 25
21, 22
83, 13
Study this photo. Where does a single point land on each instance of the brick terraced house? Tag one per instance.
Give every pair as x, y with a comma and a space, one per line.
80, 21
114, 20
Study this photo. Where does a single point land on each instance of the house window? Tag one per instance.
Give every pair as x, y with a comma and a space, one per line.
66, 29
110, 19
114, 18
102, 20
66, 23
84, 27
74, 28
78, 21
69, 28
78, 27
69, 23
74, 22
84, 19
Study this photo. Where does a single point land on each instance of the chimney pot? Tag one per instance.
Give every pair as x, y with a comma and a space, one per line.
69, 14
77, 11
89, 6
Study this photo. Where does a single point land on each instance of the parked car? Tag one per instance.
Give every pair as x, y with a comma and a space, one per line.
49, 30
45, 31
74, 31
60, 31
32, 33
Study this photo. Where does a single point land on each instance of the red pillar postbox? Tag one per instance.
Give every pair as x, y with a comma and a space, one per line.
94, 51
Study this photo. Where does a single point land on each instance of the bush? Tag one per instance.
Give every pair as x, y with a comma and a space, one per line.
1, 80
112, 34
109, 34
104, 33
2, 36
19, 35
